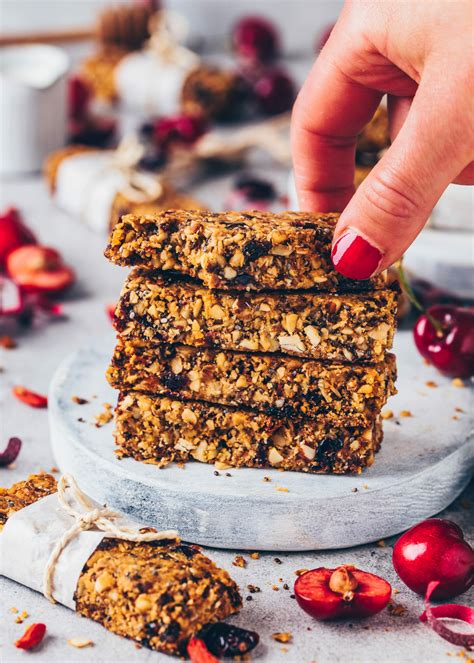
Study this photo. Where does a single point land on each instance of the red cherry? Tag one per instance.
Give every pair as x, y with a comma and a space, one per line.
39, 269
452, 351
13, 233
435, 550
178, 129
79, 95
255, 39
274, 92
343, 592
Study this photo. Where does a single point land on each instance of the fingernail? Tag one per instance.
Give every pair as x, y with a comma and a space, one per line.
355, 257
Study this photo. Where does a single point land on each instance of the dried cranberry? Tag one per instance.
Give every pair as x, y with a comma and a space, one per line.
256, 248
227, 640
11, 452
175, 382
327, 448
79, 95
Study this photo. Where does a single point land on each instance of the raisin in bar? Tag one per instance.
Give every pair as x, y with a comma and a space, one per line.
161, 430
159, 594
236, 250
280, 385
345, 327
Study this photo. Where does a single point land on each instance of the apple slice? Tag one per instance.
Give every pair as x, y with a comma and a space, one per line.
344, 592
39, 269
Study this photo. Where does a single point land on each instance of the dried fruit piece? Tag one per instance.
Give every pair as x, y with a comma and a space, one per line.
435, 549
11, 452
199, 653
223, 639
39, 269
342, 592
31, 637
29, 397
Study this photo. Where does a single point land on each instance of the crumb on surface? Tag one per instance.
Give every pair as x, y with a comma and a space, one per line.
386, 414
405, 413
239, 561
79, 400
396, 609
255, 555
8, 342
431, 383
381, 544
104, 417
281, 489
282, 637
457, 382
80, 643
299, 572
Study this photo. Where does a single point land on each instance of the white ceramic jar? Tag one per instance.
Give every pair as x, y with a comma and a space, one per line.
33, 105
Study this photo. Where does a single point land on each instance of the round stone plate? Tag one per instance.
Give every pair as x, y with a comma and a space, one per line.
425, 462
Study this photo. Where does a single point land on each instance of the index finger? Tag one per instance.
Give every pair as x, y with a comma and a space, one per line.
329, 113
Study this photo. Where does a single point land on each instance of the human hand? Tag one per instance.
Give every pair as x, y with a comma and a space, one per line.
418, 52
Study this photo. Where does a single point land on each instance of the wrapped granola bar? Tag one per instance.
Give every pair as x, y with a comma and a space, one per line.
138, 583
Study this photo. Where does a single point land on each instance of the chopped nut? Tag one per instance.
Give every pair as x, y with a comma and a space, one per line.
143, 603
386, 414
216, 312
188, 416
274, 456
255, 555
290, 322
229, 273
313, 336
176, 365
80, 643
103, 582
282, 637
291, 343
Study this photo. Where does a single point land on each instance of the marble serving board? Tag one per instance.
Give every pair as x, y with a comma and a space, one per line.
425, 462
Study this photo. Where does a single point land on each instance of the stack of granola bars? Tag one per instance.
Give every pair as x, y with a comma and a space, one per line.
239, 345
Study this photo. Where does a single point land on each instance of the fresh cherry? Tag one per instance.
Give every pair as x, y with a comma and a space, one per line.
450, 349
13, 233
435, 550
255, 39
274, 92
343, 592
39, 269
178, 129
79, 95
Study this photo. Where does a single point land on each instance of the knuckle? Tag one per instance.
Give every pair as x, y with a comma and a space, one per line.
393, 196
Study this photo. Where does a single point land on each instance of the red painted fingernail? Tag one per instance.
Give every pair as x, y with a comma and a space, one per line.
355, 257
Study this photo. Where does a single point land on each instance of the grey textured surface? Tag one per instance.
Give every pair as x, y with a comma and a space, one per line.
383, 638
316, 512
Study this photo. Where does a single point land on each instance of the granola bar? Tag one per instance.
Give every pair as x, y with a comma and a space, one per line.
159, 594
161, 430
211, 92
345, 327
236, 250
280, 385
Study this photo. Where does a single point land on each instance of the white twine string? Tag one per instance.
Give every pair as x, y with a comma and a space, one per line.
141, 187
168, 31
101, 518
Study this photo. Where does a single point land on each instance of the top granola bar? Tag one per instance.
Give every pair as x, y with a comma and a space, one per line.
237, 250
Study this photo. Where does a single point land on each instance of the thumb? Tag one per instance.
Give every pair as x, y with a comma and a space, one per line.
393, 203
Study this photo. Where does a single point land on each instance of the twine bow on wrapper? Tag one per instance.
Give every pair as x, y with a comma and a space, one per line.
88, 516
168, 30
141, 187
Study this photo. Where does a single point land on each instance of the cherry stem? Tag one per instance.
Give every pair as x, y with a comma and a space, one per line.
414, 299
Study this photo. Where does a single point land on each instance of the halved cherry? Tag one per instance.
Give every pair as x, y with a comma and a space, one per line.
39, 269
13, 233
345, 592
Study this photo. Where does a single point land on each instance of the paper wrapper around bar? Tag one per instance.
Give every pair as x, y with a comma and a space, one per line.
28, 538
